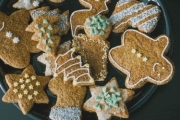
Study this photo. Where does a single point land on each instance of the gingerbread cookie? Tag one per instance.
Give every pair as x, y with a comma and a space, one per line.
15, 42
27, 4
63, 21
44, 32
69, 99
26, 89
136, 14
78, 17
93, 52
49, 60
142, 59
108, 101
97, 27
72, 69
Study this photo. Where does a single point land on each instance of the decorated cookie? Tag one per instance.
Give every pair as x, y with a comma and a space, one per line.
63, 21
142, 59
136, 14
49, 60
97, 27
78, 17
44, 32
69, 99
27, 4
15, 42
108, 101
93, 52
72, 69
26, 89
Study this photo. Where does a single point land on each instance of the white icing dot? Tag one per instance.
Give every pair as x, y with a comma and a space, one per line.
159, 74
36, 3
27, 80
37, 83
26, 75
16, 40
133, 51
25, 92
15, 90
20, 95
21, 80
35, 93
15, 84
9, 34
145, 59
163, 68
33, 77
30, 97
22, 86
31, 87
139, 55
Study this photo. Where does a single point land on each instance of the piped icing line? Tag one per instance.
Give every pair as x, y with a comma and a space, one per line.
66, 75
74, 32
123, 2
2, 26
147, 77
154, 66
135, 20
148, 25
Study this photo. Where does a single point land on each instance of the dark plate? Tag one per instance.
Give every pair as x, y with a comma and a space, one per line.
41, 111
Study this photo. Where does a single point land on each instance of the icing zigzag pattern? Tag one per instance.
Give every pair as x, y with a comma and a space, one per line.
72, 69
137, 14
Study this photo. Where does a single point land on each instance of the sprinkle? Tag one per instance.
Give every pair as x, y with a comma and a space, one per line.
36, 3
15, 90
25, 92
37, 26
50, 41
16, 40
22, 86
20, 95
86, 65
139, 55
26, 75
48, 48
145, 59
33, 77
30, 97
35, 93
27, 80
21, 80
45, 21
133, 51
37, 83
9, 34
44, 41
102, 33
43, 29
15, 84
40, 34
31, 87
48, 35
50, 27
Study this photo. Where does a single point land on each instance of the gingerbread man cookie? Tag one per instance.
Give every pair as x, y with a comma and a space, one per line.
136, 14
108, 101
26, 89
15, 42
142, 59
78, 17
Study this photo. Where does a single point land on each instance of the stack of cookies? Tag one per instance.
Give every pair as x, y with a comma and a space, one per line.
76, 65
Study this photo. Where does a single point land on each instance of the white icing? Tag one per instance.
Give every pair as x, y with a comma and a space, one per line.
68, 75
66, 113
148, 25
139, 54
9, 34
155, 1
84, 10
154, 66
16, 40
27, 2
147, 77
133, 51
2, 26
122, 2
36, 3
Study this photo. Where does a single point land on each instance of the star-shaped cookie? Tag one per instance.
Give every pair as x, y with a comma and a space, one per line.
26, 89
15, 42
142, 59
45, 33
108, 101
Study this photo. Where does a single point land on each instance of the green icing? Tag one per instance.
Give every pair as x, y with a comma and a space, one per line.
97, 106
112, 89
37, 26
104, 89
48, 35
98, 98
43, 29
45, 21
118, 93
50, 41
44, 41
40, 34
101, 95
102, 100
48, 48
50, 27
107, 107
118, 98
97, 25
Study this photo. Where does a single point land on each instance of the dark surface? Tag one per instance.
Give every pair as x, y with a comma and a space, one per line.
163, 105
